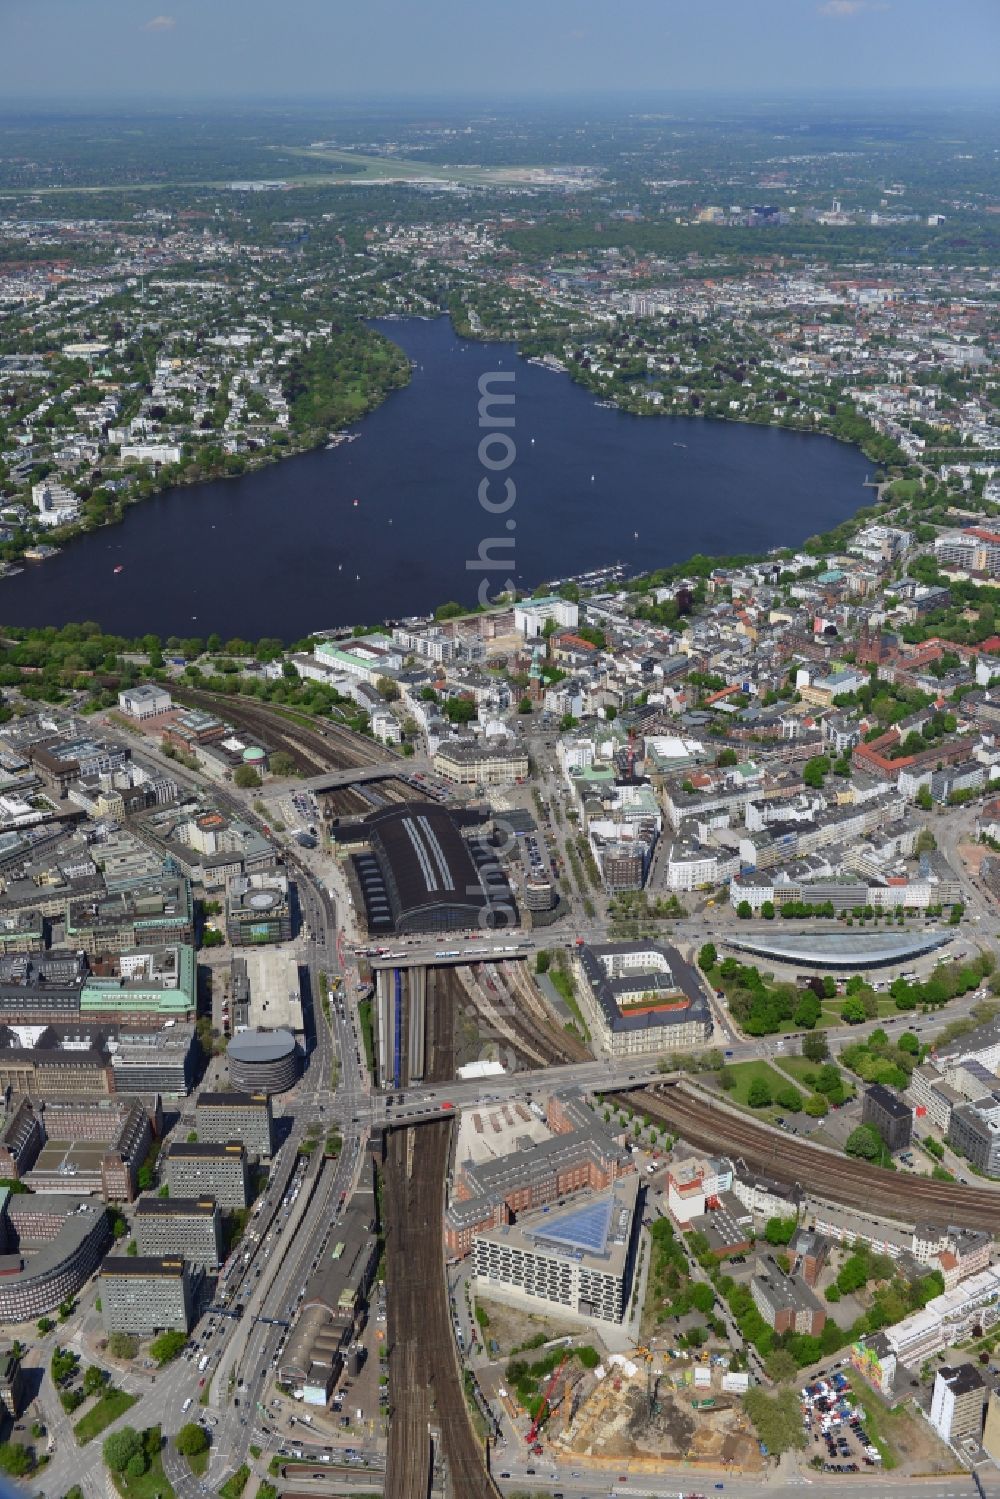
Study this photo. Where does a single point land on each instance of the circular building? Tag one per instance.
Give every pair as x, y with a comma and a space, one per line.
263, 1061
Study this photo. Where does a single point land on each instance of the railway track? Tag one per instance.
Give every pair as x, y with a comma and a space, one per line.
817, 1168
533, 1018
314, 750
425, 1380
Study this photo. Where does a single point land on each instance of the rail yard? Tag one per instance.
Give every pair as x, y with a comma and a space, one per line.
850, 1182
424, 1377
332, 747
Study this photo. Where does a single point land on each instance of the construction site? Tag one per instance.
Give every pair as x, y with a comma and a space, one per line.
649, 1410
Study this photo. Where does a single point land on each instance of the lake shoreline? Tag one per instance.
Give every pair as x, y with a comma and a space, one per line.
398, 512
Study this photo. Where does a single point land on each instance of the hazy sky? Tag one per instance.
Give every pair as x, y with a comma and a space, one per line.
103, 49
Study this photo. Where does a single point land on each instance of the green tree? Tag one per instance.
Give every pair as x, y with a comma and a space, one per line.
246, 778
781, 1365
744, 911
777, 1419
94, 1380
781, 1230
191, 1440
14, 1459
767, 910
137, 1465
167, 1347
815, 1048
853, 1010
707, 956
122, 1345
759, 1093
459, 710
807, 1012
815, 771
864, 1143
120, 1448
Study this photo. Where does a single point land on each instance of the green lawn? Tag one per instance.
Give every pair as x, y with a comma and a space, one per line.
833, 1007
800, 1066
367, 1033
112, 1404
745, 1073
198, 1461
234, 1486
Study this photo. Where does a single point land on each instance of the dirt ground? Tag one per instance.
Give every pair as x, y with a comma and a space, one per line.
973, 855
914, 1442
512, 1328
657, 1417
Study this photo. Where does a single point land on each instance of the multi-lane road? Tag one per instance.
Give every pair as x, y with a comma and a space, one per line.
539, 1479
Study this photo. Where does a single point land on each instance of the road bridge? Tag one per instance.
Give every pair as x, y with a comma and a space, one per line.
415, 1105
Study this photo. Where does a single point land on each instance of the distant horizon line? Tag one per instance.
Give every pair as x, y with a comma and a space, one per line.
876, 94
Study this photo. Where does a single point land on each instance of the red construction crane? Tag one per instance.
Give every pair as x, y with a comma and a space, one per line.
543, 1409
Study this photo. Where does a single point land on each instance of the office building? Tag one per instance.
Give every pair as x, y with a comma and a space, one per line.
146, 1294
11, 1384
221, 1117
97, 1146
695, 1184
958, 1403
580, 1155
155, 1061
49, 1247
21, 1140
200, 1169
642, 997
190, 1227
888, 1115
479, 762
991, 1429
974, 1131
577, 1262
145, 915
145, 701
258, 909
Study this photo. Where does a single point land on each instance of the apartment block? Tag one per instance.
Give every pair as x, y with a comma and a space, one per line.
785, 1302
958, 1403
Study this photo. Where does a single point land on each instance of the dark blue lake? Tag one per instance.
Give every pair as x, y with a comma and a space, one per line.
287, 550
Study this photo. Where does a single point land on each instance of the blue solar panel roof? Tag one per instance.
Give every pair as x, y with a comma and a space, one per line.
584, 1228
